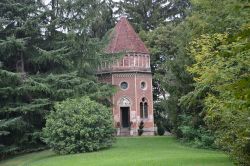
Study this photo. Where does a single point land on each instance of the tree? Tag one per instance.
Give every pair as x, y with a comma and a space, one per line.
104, 19
171, 81
17, 106
222, 65
42, 64
214, 108
183, 110
149, 14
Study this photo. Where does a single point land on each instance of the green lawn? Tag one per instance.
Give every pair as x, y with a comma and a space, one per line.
151, 151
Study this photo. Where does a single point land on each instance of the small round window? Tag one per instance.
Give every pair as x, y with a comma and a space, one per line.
124, 85
143, 85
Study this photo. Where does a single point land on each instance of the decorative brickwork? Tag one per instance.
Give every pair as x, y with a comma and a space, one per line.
133, 79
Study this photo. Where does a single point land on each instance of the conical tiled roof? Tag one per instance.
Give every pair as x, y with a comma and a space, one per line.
125, 39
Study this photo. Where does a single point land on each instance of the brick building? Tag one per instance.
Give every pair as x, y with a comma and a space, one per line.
133, 102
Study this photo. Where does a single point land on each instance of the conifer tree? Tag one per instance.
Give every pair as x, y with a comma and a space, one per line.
149, 14
47, 54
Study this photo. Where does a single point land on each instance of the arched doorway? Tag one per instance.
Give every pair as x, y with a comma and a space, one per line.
124, 105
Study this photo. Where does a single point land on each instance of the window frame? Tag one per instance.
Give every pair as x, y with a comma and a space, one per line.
121, 85
144, 109
145, 86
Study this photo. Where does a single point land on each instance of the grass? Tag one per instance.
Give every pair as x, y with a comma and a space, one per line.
146, 151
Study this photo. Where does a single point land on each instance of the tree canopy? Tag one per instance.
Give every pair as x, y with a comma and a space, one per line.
200, 63
48, 53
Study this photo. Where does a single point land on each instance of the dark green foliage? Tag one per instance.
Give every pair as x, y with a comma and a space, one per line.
140, 130
40, 64
79, 125
22, 104
149, 14
160, 129
161, 116
197, 136
104, 19
171, 81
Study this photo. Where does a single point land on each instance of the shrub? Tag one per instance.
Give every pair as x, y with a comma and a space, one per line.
140, 130
189, 133
118, 125
160, 129
79, 125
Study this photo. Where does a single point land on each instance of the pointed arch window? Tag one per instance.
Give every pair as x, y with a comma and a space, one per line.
143, 108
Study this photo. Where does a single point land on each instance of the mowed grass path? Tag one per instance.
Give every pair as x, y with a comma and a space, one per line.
129, 151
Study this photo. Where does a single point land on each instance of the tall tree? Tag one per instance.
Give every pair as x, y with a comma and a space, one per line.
221, 70
148, 14
42, 64
215, 110
171, 81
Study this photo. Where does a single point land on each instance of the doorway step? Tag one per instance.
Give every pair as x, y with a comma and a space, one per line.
125, 132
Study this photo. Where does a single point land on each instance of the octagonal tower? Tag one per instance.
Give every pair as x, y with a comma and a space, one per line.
133, 102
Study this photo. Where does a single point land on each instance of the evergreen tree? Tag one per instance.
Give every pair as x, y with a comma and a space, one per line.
47, 54
104, 19
148, 14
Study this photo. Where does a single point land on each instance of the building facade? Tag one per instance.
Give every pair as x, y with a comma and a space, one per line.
133, 101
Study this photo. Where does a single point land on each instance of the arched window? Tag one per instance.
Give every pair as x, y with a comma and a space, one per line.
143, 108
143, 85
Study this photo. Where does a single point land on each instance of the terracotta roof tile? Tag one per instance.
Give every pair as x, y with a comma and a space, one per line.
124, 38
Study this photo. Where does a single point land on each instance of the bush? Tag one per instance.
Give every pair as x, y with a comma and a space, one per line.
79, 125
188, 133
140, 130
160, 129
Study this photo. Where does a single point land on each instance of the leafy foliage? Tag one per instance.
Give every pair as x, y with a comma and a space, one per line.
216, 106
160, 129
209, 45
222, 64
171, 81
79, 125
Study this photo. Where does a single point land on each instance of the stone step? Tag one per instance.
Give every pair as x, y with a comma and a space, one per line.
124, 132
124, 129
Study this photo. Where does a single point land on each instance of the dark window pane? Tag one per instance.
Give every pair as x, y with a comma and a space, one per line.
145, 110
124, 85
143, 99
143, 85
141, 109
